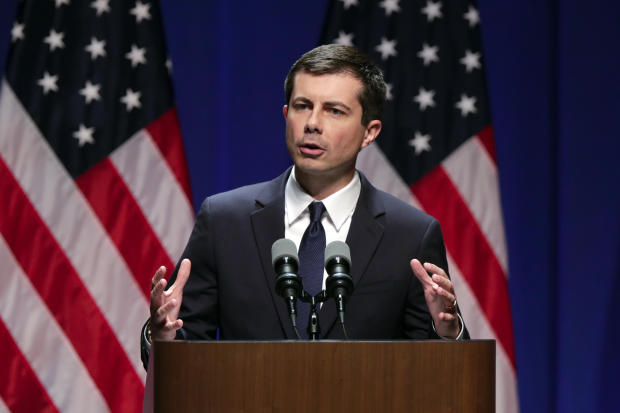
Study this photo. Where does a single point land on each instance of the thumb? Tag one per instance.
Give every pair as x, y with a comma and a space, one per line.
421, 274
183, 274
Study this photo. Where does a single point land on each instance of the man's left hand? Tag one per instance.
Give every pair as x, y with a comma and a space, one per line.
440, 298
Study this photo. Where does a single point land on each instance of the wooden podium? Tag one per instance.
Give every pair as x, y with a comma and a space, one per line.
325, 376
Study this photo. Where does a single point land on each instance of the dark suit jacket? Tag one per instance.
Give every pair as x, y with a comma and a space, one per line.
231, 286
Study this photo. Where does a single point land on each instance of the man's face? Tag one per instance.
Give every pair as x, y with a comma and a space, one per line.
324, 131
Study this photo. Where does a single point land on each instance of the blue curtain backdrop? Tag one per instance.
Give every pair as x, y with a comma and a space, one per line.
554, 78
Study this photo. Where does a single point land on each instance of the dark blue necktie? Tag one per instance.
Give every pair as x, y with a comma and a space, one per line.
311, 256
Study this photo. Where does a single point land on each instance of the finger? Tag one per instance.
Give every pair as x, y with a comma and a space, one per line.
432, 268
158, 289
173, 325
159, 274
162, 312
183, 274
447, 295
443, 282
421, 274
443, 316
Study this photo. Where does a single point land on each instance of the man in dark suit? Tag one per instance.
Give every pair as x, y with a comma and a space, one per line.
225, 281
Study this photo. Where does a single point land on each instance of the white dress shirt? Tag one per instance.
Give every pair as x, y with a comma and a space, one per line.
336, 220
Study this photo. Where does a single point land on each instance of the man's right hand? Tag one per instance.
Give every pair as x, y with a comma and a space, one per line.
165, 304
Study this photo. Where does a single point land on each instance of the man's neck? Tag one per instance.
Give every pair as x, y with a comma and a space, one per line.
320, 187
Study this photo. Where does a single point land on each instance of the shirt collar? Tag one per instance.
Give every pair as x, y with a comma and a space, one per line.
339, 205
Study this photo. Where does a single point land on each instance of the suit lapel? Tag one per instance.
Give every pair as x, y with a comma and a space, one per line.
268, 226
364, 236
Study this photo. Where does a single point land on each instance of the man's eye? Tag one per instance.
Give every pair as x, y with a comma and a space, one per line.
335, 111
301, 106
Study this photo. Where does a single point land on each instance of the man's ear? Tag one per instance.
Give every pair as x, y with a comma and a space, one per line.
285, 110
372, 131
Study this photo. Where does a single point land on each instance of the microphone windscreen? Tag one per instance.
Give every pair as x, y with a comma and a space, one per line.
337, 249
283, 247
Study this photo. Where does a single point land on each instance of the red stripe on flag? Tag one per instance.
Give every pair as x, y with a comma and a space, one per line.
125, 222
486, 137
470, 250
166, 133
69, 301
20, 388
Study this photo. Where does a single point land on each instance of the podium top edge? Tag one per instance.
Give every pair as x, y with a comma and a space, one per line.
324, 341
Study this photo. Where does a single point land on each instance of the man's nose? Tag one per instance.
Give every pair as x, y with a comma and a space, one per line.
313, 122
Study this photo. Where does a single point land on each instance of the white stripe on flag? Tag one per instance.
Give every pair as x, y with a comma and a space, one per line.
3, 408
380, 172
73, 223
506, 399
474, 174
143, 168
43, 343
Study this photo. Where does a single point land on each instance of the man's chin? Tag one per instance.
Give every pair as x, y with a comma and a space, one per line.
309, 166
319, 170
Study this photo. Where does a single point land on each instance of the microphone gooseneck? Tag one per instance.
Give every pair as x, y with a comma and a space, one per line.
339, 284
288, 283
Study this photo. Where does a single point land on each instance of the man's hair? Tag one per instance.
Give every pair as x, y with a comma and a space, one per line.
335, 58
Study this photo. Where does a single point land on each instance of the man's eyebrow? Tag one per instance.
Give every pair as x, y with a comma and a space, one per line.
337, 103
331, 103
302, 98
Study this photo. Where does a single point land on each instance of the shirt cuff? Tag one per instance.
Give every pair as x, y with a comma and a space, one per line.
459, 337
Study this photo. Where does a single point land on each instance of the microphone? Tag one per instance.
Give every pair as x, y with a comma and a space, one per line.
339, 283
288, 284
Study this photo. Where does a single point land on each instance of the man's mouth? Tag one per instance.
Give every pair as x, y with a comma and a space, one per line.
311, 149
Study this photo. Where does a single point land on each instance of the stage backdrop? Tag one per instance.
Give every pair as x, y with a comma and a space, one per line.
553, 71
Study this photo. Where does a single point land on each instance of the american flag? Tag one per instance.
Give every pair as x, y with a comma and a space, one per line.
436, 149
95, 196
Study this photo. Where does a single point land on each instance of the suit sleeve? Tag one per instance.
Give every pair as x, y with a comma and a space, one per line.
199, 306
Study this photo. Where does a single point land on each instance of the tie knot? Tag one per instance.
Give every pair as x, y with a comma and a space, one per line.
316, 211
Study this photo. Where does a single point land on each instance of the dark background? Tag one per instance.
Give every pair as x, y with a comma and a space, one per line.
554, 80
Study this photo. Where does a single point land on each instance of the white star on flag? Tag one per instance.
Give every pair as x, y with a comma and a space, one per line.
420, 143
90, 92
467, 105
131, 100
141, 11
17, 32
388, 91
387, 48
169, 65
61, 2
472, 16
343, 38
96, 48
101, 6
54, 40
84, 135
428, 54
48, 82
136, 55
432, 10
471, 60
425, 98
349, 3
390, 6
